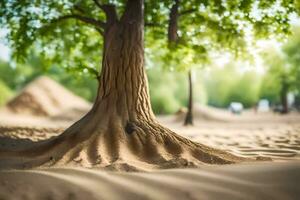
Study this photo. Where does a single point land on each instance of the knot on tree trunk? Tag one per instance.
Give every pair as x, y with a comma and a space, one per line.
130, 127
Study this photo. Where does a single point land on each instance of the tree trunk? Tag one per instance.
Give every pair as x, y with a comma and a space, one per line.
283, 97
173, 23
120, 131
123, 91
189, 114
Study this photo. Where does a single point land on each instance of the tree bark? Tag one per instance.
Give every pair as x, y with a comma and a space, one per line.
283, 97
123, 91
173, 23
189, 114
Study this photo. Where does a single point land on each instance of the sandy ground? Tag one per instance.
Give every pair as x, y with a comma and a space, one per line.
256, 181
250, 135
277, 139
256, 135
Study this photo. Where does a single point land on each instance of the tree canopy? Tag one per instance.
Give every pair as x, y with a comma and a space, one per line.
283, 69
68, 32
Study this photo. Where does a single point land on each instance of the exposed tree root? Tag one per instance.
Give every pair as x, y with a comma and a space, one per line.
143, 145
120, 131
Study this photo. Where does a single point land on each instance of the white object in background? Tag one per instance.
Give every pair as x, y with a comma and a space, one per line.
263, 106
236, 107
290, 99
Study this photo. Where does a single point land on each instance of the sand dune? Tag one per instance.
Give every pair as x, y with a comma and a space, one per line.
44, 97
255, 181
44, 108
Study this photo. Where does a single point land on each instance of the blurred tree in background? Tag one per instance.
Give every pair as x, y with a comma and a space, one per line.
283, 72
168, 90
228, 84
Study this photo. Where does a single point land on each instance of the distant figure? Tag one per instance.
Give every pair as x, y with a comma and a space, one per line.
255, 107
236, 107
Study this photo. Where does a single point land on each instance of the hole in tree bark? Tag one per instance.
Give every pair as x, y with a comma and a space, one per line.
130, 127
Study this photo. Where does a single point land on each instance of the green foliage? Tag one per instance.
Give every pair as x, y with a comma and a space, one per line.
270, 89
246, 90
34, 25
50, 30
228, 84
283, 69
292, 55
204, 26
168, 90
209, 26
80, 82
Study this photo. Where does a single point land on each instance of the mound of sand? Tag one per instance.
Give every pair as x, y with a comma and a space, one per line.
255, 181
45, 97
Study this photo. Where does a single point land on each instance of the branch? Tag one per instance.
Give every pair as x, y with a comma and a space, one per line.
152, 24
85, 19
76, 7
109, 10
100, 31
187, 11
98, 4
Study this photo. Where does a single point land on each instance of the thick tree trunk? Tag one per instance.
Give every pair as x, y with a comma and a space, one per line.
189, 114
120, 131
123, 92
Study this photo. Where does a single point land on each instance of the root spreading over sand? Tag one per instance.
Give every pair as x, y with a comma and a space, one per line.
150, 146
31, 141
105, 137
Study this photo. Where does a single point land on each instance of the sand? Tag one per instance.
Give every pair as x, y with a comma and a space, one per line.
43, 109
277, 140
44, 97
264, 136
252, 181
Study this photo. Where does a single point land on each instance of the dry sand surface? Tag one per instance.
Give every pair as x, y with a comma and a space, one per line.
279, 140
280, 179
271, 181
261, 135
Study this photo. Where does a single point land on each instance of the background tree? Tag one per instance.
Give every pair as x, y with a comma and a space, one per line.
282, 68
224, 26
229, 83
122, 113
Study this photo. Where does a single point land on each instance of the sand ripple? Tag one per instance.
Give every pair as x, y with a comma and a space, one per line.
255, 181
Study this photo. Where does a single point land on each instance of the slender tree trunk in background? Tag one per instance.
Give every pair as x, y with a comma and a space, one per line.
284, 99
173, 39
173, 23
189, 114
